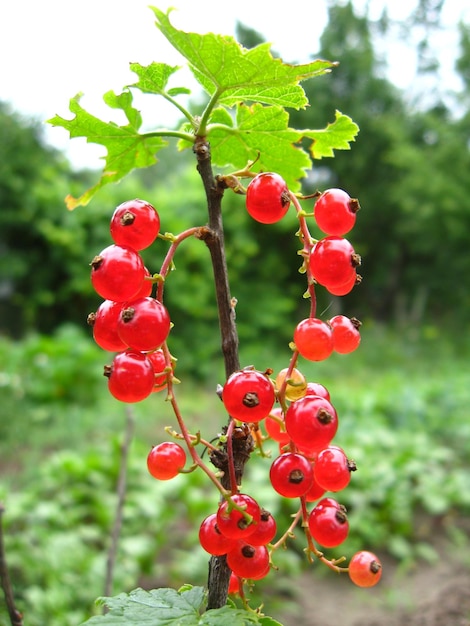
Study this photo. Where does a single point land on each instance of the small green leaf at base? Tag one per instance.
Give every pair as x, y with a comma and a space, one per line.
168, 607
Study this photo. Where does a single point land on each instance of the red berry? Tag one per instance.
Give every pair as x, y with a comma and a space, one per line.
248, 395
333, 261
211, 539
275, 426
311, 422
346, 335
117, 273
365, 569
267, 198
265, 530
315, 491
135, 224
147, 286
165, 460
104, 322
234, 585
343, 290
247, 561
291, 475
332, 469
328, 523
234, 523
157, 359
144, 324
130, 376
313, 338
316, 389
335, 212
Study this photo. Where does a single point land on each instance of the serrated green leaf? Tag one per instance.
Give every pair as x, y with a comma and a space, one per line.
261, 131
126, 148
225, 68
269, 621
168, 607
336, 136
153, 78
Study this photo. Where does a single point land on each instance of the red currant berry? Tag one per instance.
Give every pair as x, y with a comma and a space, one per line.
265, 530
235, 523
104, 322
147, 287
234, 585
117, 273
248, 395
316, 389
135, 224
165, 460
291, 475
130, 376
343, 290
328, 523
335, 212
332, 469
267, 198
365, 569
247, 561
275, 426
144, 324
315, 492
333, 261
211, 539
346, 335
313, 338
311, 422
157, 359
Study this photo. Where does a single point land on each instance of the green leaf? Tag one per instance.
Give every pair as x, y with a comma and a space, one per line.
168, 607
231, 72
336, 136
126, 148
153, 78
260, 131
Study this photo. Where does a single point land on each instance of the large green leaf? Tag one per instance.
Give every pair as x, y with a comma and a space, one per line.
168, 607
126, 148
223, 67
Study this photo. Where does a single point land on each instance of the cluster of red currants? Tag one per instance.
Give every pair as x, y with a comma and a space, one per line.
129, 321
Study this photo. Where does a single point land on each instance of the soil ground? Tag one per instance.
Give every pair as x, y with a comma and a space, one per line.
427, 595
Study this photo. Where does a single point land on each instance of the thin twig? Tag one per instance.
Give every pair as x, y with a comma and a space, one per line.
16, 618
121, 495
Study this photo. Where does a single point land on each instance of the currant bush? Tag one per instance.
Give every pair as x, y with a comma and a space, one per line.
297, 415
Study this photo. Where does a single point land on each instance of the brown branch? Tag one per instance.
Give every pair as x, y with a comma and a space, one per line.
121, 495
219, 572
16, 618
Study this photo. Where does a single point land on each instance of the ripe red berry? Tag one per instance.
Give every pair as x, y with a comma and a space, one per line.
144, 324
104, 322
157, 359
346, 335
335, 212
265, 530
328, 523
130, 376
135, 224
315, 491
332, 469
317, 389
211, 539
343, 290
234, 523
291, 475
165, 460
117, 273
275, 426
234, 585
333, 261
248, 395
365, 569
313, 338
247, 561
267, 198
311, 422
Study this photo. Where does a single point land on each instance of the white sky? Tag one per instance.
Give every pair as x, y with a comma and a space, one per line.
52, 49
